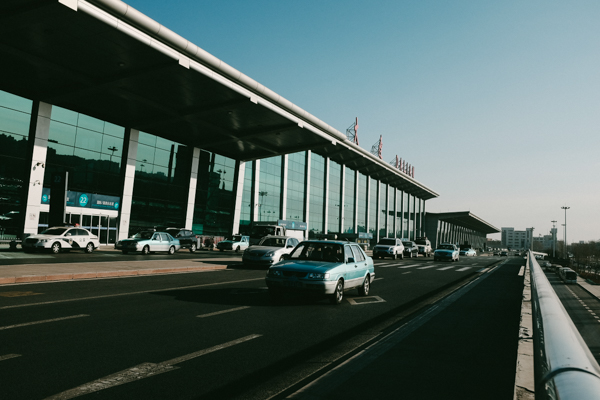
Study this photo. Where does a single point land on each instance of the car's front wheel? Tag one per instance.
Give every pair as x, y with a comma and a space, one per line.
89, 248
55, 248
338, 295
237, 249
363, 290
171, 250
146, 250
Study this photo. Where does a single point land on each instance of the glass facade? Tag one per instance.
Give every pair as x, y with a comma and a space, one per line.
215, 196
348, 201
317, 195
162, 176
398, 213
295, 187
15, 115
382, 209
373, 207
361, 204
333, 212
246, 211
269, 189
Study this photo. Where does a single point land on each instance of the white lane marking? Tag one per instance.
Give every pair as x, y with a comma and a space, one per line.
428, 266
522, 271
9, 356
463, 269
24, 255
445, 268
131, 293
365, 300
222, 312
377, 279
483, 269
408, 272
410, 266
141, 371
42, 322
386, 265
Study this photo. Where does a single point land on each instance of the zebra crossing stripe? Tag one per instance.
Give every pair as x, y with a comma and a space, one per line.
445, 268
428, 266
410, 266
463, 269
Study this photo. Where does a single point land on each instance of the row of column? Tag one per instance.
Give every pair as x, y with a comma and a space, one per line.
451, 233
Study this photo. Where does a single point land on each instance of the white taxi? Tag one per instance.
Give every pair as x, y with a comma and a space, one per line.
62, 238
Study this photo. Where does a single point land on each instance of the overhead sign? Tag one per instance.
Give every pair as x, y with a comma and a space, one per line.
86, 200
293, 225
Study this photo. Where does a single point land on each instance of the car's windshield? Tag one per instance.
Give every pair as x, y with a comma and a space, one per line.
421, 241
236, 238
409, 244
317, 251
272, 242
54, 231
446, 247
387, 242
143, 235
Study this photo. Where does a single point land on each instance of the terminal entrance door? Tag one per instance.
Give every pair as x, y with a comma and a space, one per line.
103, 226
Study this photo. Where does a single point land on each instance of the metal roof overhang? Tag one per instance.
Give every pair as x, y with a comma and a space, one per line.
107, 60
466, 220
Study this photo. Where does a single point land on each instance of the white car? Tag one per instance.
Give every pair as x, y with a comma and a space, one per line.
269, 250
468, 252
389, 247
236, 243
62, 238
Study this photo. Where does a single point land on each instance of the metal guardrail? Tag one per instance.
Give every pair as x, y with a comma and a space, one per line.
564, 367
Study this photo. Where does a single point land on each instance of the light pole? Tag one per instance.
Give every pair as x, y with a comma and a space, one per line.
566, 251
261, 194
553, 239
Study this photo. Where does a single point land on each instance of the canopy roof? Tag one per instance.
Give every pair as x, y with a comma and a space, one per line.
465, 219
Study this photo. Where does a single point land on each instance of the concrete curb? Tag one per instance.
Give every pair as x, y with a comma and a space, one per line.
524, 376
104, 274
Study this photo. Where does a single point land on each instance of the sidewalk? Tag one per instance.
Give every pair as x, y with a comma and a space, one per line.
594, 290
43, 271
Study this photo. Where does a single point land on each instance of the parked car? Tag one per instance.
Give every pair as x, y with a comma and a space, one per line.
61, 238
468, 252
446, 251
269, 250
424, 246
147, 242
322, 267
389, 247
187, 238
236, 242
410, 249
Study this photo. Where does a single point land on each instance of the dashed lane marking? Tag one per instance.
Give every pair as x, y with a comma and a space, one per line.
427, 267
141, 371
445, 268
388, 265
222, 312
410, 266
522, 271
42, 322
463, 269
9, 356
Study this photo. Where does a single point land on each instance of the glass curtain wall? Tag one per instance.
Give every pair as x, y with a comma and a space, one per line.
317, 192
162, 176
15, 114
383, 209
361, 205
391, 209
295, 190
333, 213
269, 189
246, 211
398, 213
215, 200
373, 208
405, 216
349, 201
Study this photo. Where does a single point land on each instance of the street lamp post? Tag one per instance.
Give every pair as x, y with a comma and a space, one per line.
553, 239
566, 251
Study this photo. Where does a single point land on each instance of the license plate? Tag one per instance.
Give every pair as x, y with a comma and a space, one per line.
292, 284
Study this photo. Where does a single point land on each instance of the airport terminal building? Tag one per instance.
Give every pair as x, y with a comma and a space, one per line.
143, 128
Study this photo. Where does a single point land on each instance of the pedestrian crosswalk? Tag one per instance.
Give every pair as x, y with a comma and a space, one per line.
429, 265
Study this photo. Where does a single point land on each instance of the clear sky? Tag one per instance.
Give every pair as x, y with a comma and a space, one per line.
495, 103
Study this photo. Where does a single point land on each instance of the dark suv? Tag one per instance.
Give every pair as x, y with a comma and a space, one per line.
186, 237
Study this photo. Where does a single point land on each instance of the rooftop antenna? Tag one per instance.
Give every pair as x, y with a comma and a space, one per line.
376, 148
352, 132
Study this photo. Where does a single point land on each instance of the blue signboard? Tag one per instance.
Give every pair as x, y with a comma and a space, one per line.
293, 225
86, 200
365, 235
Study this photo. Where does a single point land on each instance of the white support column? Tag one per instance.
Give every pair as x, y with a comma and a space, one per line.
326, 197
284, 186
189, 215
394, 212
40, 123
307, 192
368, 216
239, 194
355, 225
342, 214
387, 209
378, 208
125, 214
255, 192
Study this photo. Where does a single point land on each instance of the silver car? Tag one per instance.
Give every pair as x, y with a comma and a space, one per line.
147, 242
269, 250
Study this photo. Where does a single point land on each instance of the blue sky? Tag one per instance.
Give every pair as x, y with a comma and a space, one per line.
496, 104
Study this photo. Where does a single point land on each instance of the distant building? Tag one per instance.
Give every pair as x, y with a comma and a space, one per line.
512, 239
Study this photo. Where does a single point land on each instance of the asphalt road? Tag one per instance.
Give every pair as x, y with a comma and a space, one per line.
197, 335
584, 310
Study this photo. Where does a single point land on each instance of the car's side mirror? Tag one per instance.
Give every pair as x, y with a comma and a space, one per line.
290, 247
286, 256
350, 260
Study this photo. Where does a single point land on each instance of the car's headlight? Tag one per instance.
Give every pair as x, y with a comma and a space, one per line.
270, 254
318, 275
43, 240
274, 272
